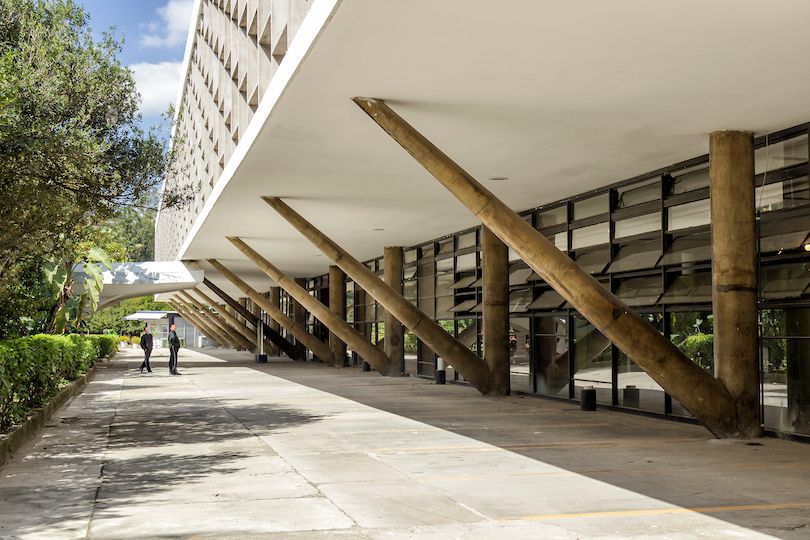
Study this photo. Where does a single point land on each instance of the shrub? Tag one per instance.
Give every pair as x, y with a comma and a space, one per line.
33, 368
136, 340
700, 348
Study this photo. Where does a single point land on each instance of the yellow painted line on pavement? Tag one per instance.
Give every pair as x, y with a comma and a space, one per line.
594, 473
704, 510
467, 428
487, 447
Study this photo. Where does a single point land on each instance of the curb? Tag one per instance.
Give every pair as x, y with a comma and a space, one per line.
13, 440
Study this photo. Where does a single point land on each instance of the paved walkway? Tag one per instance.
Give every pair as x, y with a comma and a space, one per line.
234, 449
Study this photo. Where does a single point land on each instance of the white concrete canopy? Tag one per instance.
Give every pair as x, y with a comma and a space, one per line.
558, 97
133, 279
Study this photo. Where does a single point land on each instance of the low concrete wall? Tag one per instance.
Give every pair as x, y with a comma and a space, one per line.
24, 432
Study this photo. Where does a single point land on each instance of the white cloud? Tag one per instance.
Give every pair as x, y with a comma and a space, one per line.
158, 85
172, 29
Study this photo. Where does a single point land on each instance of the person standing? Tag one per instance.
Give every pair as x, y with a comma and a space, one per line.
174, 348
146, 345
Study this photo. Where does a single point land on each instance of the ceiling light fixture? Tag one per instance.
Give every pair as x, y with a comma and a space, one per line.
498, 178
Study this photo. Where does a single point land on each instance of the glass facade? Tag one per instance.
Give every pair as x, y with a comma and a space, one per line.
648, 241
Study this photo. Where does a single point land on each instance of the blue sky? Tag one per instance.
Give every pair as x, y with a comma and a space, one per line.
155, 33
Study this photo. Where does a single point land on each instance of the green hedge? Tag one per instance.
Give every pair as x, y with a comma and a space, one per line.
33, 368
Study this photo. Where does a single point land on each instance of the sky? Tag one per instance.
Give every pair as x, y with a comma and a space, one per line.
155, 34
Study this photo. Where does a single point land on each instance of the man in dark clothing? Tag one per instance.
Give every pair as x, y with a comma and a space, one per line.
174, 348
146, 345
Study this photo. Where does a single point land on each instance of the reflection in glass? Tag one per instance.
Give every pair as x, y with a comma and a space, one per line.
686, 249
427, 251
550, 218
781, 155
445, 246
786, 369
636, 256
593, 363
550, 299
427, 361
638, 225
519, 355
640, 193
783, 235
635, 388
789, 193
689, 289
551, 356
590, 236
443, 306
689, 215
464, 283
594, 262
409, 256
443, 284
518, 275
465, 262
591, 207
785, 281
692, 179
519, 300
466, 240
640, 292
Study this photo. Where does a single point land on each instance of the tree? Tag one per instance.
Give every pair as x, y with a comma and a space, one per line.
72, 151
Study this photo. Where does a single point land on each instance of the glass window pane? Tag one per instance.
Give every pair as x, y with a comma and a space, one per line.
427, 251
466, 240
593, 362
443, 283
692, 333
690, 248
520, 355
464, 283
780, 155
636, 257
591, 236
550, 218
548, 300
409, 290
638, 225
783, 235
464, 305
445, 265
513, 255
591, 207
444, 304
594, 262
693, 179
426, 306
560, 240
640, 292
409, 256
689, 289
410, 346
786, 194
785, 281
445, 246
647, 191
688, 215
551, 356
519, 300
518, 275
465, 262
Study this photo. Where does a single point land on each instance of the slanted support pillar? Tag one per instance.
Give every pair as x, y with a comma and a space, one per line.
204, 330
393, 263
270, 331
300, 333
299, 315
699, 392
337, 304
237, 325
734, 272
454, 353
495, 261
339, 326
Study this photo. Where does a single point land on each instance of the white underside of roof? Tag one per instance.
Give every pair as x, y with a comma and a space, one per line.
559, 97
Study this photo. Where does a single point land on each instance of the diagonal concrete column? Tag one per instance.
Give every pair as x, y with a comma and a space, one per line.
231, 319
734, 272
357, 341
214, 334
270, 331
337, 304
315, 345
699, 392
473, 368
223, 336
219, 321
393, 260
203, 329
495, 260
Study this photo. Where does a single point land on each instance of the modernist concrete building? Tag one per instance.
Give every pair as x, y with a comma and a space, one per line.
629, 156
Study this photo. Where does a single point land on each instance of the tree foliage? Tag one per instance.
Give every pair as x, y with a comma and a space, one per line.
73, 156
111, 319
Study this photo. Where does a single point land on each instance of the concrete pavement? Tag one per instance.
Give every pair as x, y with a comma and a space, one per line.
284, 450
